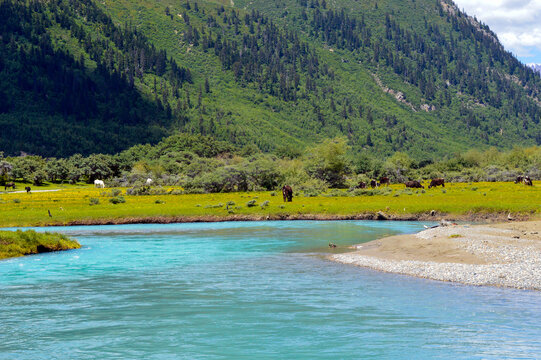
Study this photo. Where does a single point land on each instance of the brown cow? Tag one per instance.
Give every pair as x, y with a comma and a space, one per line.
437, 182
384, 180
9, 185
287, 192
414, 184
373, 183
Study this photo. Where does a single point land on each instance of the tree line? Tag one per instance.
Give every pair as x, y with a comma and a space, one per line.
202, 164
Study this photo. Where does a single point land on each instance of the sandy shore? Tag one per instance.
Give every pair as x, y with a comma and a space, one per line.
507, 254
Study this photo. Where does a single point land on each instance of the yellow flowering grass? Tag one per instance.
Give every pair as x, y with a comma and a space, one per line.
74, 204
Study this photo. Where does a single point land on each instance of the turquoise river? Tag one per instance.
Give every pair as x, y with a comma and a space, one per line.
248, 290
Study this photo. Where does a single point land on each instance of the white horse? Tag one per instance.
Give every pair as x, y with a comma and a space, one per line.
99, 184
149, 182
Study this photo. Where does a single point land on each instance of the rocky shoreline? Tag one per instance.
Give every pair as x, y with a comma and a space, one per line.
503, 255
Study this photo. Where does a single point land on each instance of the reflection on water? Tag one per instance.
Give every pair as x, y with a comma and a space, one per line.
247, 290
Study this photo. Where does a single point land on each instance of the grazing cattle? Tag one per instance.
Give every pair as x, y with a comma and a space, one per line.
99, 184
384, 180
414, 184
9, 185
149, 182
437, 182
287, 192
373, 184
28, 189
524, 179
362, 185
331, 245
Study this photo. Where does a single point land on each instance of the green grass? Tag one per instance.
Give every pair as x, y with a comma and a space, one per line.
458, 200
20, 243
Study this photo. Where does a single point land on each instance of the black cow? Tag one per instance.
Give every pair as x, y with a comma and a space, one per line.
362, 185
384, 180
519, 179
373, 184
28, 189
437, 182
414, 184
9, 185
287, 192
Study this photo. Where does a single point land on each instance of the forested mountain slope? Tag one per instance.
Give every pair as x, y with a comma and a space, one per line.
411, 75
70, 80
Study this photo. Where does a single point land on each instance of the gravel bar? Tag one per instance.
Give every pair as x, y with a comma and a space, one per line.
509, 255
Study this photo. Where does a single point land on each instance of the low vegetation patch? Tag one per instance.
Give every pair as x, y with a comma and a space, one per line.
117, 200
20, 243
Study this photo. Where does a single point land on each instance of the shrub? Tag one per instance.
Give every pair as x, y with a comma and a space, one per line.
117, 200
115, 192
94, 201
17, 201
214, 206
311, 193
158, 201
251, 203
336, 193
273, 193
265, 204
138, 190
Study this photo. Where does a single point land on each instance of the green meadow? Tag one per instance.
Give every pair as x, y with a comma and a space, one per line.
86, 204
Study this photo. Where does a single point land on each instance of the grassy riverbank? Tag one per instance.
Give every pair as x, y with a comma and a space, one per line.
87, 205
20, 243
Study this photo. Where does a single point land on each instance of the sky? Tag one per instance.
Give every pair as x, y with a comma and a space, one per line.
517, 23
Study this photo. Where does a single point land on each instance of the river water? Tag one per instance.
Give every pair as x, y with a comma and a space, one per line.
247, 290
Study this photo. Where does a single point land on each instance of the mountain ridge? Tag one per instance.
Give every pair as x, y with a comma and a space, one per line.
389, 75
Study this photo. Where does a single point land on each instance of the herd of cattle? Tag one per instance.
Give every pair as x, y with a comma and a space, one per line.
409, 184
287, 191
433, 183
